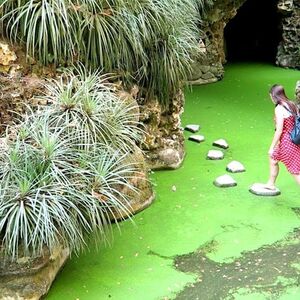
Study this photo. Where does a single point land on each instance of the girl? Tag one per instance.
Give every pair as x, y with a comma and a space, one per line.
282, 148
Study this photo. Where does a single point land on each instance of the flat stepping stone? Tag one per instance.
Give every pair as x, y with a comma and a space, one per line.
225, 181
196, 138
235, 167
260, 190
192, 128
221, 143
215, 154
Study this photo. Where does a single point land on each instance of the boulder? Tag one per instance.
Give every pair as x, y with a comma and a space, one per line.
142, 196
171, 157
221, 143
196, 138
215, 154
30, 277
225, 181
235, 167
192, 128
260, 190
163, 131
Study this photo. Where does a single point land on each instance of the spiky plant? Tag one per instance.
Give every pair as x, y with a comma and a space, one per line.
85, 105
60, 182
148, 42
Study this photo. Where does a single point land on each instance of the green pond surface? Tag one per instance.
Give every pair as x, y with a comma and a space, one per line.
200, 241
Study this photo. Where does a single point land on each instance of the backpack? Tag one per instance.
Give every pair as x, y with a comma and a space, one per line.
295, 133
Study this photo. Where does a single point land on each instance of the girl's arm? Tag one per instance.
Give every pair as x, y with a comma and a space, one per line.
279, 127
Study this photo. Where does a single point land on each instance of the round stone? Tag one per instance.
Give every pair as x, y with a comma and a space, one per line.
259, 189
221, 143
235, 167
225, 181
215, 154
192, 128
196, 138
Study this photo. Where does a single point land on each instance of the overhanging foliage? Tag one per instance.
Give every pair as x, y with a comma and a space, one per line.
62, 174
149, 42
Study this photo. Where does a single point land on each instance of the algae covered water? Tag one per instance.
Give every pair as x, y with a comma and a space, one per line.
200, 241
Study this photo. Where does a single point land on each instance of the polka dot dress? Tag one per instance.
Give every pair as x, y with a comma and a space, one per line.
286, 151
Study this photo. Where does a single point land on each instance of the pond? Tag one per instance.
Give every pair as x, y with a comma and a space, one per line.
195, 238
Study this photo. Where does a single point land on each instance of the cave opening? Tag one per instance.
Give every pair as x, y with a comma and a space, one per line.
254, 33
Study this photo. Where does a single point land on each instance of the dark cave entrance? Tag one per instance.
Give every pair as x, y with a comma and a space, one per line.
254, 33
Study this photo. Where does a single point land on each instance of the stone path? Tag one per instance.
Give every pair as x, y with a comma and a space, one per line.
232, 167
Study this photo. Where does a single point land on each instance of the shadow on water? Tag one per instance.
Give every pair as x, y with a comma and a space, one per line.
268, 270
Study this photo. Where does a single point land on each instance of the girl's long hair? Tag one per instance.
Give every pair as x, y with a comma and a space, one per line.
278, 95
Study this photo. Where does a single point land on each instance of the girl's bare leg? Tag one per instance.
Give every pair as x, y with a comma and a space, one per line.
297, 178
274, 171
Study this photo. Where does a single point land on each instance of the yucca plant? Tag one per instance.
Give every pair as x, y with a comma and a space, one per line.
90, 112
44, 26
60, 181
150, 42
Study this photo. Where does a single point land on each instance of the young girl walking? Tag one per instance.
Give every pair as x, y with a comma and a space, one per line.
282, 149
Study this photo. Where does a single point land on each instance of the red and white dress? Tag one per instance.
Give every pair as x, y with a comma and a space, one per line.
286, 151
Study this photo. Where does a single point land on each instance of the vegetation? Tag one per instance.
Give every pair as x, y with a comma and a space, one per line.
150, 42
61, 174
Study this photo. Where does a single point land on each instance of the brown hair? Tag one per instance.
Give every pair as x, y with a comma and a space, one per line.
278, 95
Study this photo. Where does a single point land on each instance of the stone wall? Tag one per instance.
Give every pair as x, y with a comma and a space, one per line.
208, 67
289, 48
163, 142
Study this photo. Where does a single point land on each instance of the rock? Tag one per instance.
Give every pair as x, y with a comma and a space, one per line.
225, 181
170, 157
235, 167
202, 81
162, 127
221, 143
208, 75
7, 56
288, 48
204, 68
142, 196
30, 278
196, 138
215, 154
260, 190
192, 128
285, 6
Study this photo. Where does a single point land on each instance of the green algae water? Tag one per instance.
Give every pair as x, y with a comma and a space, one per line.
180, 244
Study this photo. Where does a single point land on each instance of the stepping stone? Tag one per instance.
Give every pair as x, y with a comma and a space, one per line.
221, 143
225, 181
235, 167
215, 154
192, 128
196, 138
260, 190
